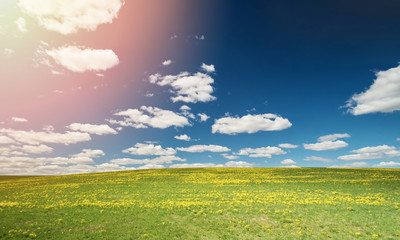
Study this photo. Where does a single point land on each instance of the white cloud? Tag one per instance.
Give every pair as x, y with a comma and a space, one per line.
8, 51
239, 164
185, 112
6, 140
288, 162
21, 24
351, 165
157, 160
149, 95
79, 59
291, 166
368, 153
187, 87
231, 157
288, 145
35, 138
183, 137
333, 137
102, 129
204, 148
18, 119
314, 158
208, 68
36, 149
250, 124
68, 17
262, 151
89, 153
328, 142
149, 149
203, 117
150, 117
388, 164
166, 62
151, 166
324, 146
398, 139
382, 96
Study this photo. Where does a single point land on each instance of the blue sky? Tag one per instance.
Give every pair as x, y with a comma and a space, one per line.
116, 93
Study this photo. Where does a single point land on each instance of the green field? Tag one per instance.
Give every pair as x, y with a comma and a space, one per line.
212, 203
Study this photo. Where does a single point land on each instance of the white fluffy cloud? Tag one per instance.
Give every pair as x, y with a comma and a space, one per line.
166, 62
382, 96
68, 17
388, 164
288, 162
321, 159
333, 137
18, 119
8, 51
21, 24
250, 124
208, 68
150, 117
231, 157
288, 145
377, 152
89, 153
351, 165
78, 59
187, 87
102, 129
203, 117
328, 142
204, 148
35, 138
157, 160
261, 152
183, 137
6, 140
149, 149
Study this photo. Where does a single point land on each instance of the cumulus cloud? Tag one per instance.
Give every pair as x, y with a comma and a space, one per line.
190, 88
288, 145
203, 117
382, 96
21, 24
35, 138
288, 162
150, 117
262, 151
149, 149
328, 142
36, 149
183, 137
388, 164
68, 17
6, 140
157, 160
8, 51
204, 148
208, 68
102, 129
250, 124
351, 165
78, 59
166, 62
333, 137
185, 112
231, 157
151, 166
18, 119
368, 153
321, 159
89, 153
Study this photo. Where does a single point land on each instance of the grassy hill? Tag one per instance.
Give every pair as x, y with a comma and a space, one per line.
212, 203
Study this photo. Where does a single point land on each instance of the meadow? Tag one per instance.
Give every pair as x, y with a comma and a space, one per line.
208, 203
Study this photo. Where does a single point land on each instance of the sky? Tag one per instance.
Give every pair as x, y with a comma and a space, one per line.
108, 85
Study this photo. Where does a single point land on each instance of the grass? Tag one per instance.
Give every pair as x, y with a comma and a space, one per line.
210, 203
